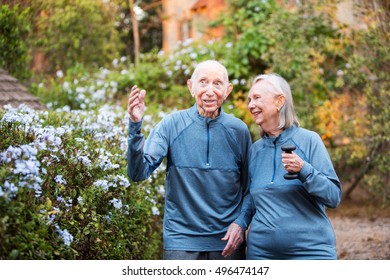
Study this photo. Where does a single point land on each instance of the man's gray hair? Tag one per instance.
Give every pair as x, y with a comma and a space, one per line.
287, 115
212, 62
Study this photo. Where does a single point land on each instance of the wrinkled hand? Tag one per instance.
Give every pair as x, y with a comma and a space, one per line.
234, 236
136, 104
292, 162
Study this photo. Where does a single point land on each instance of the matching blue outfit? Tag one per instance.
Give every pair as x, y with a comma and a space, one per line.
207, 186
290, 221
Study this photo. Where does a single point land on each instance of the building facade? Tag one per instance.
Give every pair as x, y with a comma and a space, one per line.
190, 19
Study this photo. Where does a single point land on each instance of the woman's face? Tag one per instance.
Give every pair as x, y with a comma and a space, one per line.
263, 104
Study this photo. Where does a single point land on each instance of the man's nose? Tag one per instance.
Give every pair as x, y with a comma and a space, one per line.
210, 89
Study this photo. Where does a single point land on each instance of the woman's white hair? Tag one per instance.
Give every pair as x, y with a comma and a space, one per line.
287, 115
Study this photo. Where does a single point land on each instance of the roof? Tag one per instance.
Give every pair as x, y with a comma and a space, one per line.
15, 94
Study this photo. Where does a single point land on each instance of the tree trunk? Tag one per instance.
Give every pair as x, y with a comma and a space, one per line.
135, 33
365, 169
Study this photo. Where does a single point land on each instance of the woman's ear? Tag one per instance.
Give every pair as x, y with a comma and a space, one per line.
280, 101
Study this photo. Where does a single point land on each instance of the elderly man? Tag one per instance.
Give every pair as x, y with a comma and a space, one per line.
205, 214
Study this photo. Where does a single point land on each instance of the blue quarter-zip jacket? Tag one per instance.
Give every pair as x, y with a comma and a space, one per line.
206, 178
290, 221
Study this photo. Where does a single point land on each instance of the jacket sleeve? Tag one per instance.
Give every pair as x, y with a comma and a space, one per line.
246, 213
144, 156
318, 175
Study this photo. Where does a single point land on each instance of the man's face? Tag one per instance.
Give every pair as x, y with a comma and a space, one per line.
210, 88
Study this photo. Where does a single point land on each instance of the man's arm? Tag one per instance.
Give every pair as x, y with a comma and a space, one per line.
245, 217
235, 233
143, 156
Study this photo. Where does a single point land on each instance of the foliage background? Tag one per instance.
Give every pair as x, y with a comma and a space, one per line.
64, 193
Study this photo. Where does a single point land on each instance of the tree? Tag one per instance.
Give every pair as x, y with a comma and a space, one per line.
134, 23
368, 73
149, 22
80, 31
14, 29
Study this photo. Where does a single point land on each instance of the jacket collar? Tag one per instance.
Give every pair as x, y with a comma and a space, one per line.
281, 138
204, 120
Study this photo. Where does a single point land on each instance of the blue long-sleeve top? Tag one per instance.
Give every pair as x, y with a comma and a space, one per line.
207, 186
290, 221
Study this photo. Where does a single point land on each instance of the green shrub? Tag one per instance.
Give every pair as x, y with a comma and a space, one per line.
64, 192
164, 77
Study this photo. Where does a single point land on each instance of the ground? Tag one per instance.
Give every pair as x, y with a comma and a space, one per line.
362, 230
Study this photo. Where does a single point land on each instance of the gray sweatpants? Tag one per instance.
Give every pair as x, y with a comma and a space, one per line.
238, 254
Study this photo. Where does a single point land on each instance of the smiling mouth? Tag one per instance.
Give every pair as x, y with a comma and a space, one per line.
256, 113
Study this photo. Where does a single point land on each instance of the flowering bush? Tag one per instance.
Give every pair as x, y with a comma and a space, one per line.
163, 76
64, 192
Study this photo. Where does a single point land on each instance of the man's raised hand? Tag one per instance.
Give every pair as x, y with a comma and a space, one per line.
136, 104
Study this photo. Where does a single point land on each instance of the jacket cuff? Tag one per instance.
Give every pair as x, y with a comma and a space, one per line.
135, 128
305, 172
242, 221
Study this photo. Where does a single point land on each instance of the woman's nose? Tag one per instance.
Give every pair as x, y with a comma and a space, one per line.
251, 105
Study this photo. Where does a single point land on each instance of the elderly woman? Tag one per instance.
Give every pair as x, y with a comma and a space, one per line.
289, 219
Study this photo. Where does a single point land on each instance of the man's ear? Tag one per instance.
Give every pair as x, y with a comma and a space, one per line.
229, 90
189, 85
